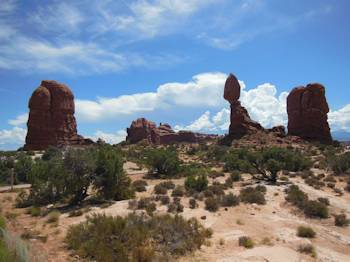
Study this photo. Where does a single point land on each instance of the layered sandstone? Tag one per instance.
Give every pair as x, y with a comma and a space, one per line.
51, 118
307, 109
144, 130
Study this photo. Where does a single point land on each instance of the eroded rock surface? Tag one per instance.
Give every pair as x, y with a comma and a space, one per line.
144, 130
51, 118
307, 109
240, 122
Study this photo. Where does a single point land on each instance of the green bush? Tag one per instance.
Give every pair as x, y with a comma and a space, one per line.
22, 168
340, 164
212, 204
110, 179
53, 217
178, 191
306, 232
175, 207
136, 237
315, 209
307, 249
160, 189
35, 211
163, 162
2, 222
199, 183
341, 220
164, 200
140, 185
296, 196
168, 184
246, 242
229, 200
192, 203
267, 162
252, 195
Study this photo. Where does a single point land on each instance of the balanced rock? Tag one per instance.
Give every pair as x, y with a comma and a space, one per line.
144, 130
51, 118
307, 109
240, 122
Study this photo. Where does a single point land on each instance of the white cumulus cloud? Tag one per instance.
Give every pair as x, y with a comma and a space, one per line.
19, 120
111, 138
339, 120
14, 136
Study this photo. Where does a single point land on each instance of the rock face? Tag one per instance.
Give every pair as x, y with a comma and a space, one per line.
51, 118
307, 109
241, 123
144, 130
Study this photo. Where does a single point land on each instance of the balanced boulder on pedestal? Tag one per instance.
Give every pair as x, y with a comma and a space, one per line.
240, 122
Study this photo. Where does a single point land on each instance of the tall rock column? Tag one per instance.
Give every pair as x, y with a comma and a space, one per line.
51, 118
240, 122
307, 110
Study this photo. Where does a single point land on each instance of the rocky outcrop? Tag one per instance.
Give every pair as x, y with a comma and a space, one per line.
51, 118
241, 124
307, 109
144, 130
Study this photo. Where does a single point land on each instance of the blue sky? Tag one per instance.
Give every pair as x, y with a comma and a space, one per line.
167, 60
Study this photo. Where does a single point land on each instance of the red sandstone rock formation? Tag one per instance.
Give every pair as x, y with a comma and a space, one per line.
241, 123
51, 118
307, 109
144, 130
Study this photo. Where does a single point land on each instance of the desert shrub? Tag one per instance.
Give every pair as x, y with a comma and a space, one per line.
341, 220
330, 178
261, 188
315, 209
160, 189
178, 191
324, 200
144, 202
51, 153
229, 200
22, 168
215, 174
215, 190
296, 196
339, 163
217, 152
193, 203
53, 217
252, 195
307, 249
163, 162
164, 200
306, 232
76, 213
168, 184
311, 208
80, 167
110, 180
35, 211
175, 206
140, 185
199, 183
136, 237
246, 242
212, 204
235, 176
2, 222
266, 162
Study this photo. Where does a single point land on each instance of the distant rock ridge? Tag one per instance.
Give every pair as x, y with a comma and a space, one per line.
307, 110
240, 122
51, 118
143, 130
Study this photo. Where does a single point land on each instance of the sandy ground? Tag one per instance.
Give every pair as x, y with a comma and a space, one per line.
276, 221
